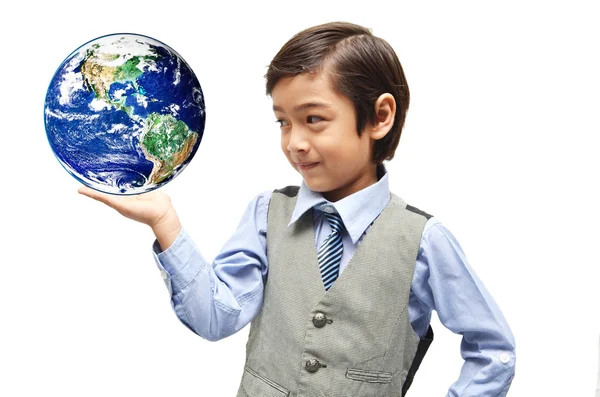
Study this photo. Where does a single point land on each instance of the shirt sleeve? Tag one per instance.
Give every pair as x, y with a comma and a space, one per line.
215, 300
445, 282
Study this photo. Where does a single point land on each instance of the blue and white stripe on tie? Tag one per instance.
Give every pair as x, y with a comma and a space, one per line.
330, 252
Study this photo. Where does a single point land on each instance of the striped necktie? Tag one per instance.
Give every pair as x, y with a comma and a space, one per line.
330, 253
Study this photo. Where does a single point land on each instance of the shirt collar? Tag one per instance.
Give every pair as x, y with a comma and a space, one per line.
357, 211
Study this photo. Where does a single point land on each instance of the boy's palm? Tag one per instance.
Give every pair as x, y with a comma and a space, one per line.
149, 208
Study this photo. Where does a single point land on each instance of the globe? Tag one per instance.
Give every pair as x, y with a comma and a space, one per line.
124, 114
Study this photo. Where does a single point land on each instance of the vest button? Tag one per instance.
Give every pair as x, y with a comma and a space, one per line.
312, 365
319, 320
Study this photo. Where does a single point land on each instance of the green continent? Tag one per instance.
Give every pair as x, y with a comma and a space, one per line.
165, 136
129, 70
98, 78
167, 142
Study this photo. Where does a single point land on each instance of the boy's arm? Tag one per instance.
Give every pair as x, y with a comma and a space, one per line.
216, 300
446, 283
167, 230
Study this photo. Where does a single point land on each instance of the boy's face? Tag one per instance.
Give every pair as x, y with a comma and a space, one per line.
319, 137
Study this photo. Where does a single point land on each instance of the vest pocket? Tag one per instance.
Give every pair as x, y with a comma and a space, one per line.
256, 385
370, 376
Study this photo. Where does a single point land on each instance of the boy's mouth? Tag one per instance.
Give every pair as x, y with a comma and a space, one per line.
306, 166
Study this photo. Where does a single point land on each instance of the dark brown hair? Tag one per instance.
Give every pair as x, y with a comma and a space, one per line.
359, 65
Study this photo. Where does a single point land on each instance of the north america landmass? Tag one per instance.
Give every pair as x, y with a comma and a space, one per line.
165, 141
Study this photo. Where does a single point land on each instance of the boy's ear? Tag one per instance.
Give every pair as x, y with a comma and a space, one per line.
385, 111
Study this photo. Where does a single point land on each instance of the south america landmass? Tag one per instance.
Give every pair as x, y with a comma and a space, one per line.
167, 142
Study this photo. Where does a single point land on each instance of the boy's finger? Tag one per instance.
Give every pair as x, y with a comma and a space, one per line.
86, 191
96, 195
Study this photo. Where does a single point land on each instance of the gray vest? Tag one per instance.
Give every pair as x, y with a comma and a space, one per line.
353, 340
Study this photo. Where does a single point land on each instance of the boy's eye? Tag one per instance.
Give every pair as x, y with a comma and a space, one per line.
313, 119
282, 122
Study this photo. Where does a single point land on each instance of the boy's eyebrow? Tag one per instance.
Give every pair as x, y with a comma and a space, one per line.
304, 106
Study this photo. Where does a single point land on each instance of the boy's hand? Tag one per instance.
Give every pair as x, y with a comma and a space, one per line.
150, 208
153, 209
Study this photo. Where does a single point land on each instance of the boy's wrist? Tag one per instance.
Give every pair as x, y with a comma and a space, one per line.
167, 229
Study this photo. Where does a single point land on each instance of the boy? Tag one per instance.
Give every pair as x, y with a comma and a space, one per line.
338, 276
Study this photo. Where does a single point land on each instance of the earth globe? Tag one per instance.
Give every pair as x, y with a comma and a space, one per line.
124, 114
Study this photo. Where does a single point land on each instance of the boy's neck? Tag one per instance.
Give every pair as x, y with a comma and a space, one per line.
370, 178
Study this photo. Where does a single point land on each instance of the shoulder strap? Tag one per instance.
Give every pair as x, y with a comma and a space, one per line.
418, 211
290, 191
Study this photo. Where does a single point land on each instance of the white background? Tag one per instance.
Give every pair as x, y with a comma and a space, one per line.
501, 144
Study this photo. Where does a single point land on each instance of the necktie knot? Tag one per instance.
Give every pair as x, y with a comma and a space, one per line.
335, 221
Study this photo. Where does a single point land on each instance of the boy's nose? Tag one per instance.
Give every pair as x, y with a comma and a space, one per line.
297, 142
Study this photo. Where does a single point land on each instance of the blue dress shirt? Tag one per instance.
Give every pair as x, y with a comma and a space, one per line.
216, 300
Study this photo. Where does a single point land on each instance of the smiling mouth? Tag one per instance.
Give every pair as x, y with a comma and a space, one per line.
306, 166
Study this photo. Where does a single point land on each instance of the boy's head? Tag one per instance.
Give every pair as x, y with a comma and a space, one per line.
341, 98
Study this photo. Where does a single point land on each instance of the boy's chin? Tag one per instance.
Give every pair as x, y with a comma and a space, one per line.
317, 187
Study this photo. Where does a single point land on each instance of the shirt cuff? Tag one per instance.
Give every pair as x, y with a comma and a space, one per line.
180, 263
